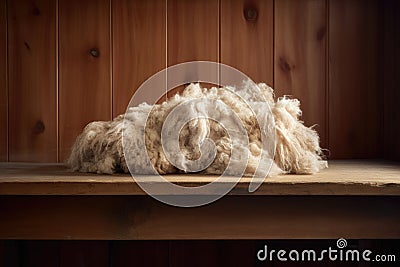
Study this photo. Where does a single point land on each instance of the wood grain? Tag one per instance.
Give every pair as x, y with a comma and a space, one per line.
32, 80
193, 35
342, 178
355, 116
232, 217
390, 72
300, 58
138, 48
3, 84
85, 79
248, 44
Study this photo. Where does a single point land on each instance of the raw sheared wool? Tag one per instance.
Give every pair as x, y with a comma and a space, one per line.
99, 148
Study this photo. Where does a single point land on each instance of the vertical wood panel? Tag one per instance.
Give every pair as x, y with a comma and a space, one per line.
9, 254
40, 253
138, 46
3, 83
300, 58
85, 79
139, 253
354, 95
390, 71
212, 253
195, 253
32, 80
248, 44
193, 33
84, 253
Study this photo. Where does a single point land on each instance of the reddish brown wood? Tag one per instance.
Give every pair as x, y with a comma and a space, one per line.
84, 253
40, 253
355, 90
139, 253
248, 44
192, 34
32, 80
232, 217
85, 67
138, 47
3, 84
193, 253
239, 253
300, 58
10, 253
212, 253
390, 71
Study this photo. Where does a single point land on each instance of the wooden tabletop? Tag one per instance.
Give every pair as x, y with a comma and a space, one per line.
344, 177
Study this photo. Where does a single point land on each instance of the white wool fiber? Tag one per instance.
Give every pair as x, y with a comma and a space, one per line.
99, 147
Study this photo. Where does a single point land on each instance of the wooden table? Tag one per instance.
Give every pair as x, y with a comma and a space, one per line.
350, 199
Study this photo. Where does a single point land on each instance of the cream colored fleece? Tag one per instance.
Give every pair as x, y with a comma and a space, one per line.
99, 148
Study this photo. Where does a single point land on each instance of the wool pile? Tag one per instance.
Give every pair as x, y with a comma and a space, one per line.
295, 147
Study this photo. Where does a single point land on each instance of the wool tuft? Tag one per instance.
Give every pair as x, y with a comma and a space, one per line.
99, 148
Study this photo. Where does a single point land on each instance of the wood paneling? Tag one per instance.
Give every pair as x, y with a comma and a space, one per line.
32, 80
83, 253
192, 253
192, 34
390, 71
338, 57
9, 253
3, 84
300, 58
139, 253
39, 253
138, 47
212, 253
84, 69
248, 44
355, 120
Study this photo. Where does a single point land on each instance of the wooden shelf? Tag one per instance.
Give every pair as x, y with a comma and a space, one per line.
344, 177
351, 199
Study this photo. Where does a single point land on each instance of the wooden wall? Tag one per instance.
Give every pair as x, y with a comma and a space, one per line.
66, 63
176, 253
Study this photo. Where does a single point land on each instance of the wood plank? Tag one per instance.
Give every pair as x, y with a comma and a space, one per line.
355, 120
83, 253
233, 217
10, 255
212, 253
390, 72
300, 58
139, 253
237, 253
32, 81
192, 35
247, 44
40, 253
85, 67
138, 47
3, 84
194, 253
341, 178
